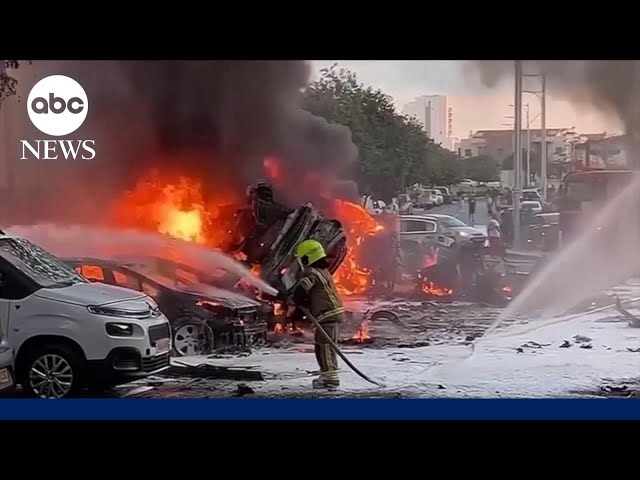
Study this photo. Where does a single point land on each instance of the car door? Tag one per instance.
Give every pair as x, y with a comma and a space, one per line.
14, 290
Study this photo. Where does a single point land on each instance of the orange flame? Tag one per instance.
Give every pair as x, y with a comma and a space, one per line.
176, 208
278, 309
280, 328
362, 335
351, 278
431, 289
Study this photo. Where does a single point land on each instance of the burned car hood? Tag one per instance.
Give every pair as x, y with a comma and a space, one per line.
224, 298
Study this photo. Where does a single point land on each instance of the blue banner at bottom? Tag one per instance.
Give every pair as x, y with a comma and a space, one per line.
319, 409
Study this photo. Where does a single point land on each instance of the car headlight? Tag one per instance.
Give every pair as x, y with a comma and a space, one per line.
465, 234
119, 329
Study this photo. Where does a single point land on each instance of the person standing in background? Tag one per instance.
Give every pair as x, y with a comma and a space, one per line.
472, 207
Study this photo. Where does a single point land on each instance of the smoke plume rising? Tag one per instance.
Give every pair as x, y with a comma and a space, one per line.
217, 120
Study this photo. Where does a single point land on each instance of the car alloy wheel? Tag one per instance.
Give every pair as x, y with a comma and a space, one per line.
51, 376
190, 339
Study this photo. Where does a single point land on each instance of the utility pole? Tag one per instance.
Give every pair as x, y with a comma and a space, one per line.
543, 127
526, 183
517, 144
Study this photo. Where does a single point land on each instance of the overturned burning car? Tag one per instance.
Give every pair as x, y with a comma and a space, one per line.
267, 234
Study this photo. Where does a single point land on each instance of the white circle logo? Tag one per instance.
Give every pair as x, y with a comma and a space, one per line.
57, 105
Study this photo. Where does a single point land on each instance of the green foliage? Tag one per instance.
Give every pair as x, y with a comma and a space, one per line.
7, 82
393, 149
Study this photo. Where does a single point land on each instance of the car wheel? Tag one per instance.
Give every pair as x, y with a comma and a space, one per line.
53, 371
191, 337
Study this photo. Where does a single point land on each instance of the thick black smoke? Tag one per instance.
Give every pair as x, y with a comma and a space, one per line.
611, 86
215, 119
241, 112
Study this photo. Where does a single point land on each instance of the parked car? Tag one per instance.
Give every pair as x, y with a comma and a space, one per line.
467, 182
446, 194
432, 226
184, 276
67, 333
438, 198
7, 381
530, 195
532, 206
203, 317
426, 199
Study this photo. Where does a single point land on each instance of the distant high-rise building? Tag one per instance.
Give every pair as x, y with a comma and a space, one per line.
435, 115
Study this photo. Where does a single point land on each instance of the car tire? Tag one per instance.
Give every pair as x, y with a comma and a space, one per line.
191, 336
64, 368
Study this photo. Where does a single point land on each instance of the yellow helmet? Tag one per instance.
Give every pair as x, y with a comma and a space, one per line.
310, 251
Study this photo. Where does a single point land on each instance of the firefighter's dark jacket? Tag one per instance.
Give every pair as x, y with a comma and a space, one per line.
316, 290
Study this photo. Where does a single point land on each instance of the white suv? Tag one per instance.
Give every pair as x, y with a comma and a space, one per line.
68, 333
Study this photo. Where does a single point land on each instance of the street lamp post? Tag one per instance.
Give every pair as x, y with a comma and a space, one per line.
543, 153
543, 129
517, 113
529, 122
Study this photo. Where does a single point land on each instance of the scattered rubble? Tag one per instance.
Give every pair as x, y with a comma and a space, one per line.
581, 339
566, 344
243, 390
531, 344
587, 346
205, 370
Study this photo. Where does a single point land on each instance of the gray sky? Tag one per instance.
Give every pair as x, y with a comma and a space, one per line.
475, 106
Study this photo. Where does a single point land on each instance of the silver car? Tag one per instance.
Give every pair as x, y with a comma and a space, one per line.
442, 229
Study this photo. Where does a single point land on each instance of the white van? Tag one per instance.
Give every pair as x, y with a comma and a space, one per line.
67, 333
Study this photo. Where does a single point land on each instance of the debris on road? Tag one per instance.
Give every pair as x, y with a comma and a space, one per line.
531, 344
566, 344
587, 346
634, 350
138, 391
243, 390
581, 339
632, 319
205, 370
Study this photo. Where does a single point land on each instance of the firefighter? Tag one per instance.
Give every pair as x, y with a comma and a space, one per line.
316, 291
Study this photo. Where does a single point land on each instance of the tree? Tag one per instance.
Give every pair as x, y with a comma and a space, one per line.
7, 82
394, 151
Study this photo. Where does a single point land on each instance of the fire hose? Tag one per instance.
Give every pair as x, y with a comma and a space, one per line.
335, 347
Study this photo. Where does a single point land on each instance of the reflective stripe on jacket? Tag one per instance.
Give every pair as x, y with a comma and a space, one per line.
322, 295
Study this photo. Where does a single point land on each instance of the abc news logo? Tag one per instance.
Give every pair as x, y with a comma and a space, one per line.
58, 106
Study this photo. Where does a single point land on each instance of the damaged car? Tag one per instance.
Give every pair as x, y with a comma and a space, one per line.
64, 334
266, 234
203, 318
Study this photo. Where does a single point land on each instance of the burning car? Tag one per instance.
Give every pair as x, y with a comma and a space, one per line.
203, 318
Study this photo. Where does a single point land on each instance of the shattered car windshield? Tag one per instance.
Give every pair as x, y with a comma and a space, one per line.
38, 264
